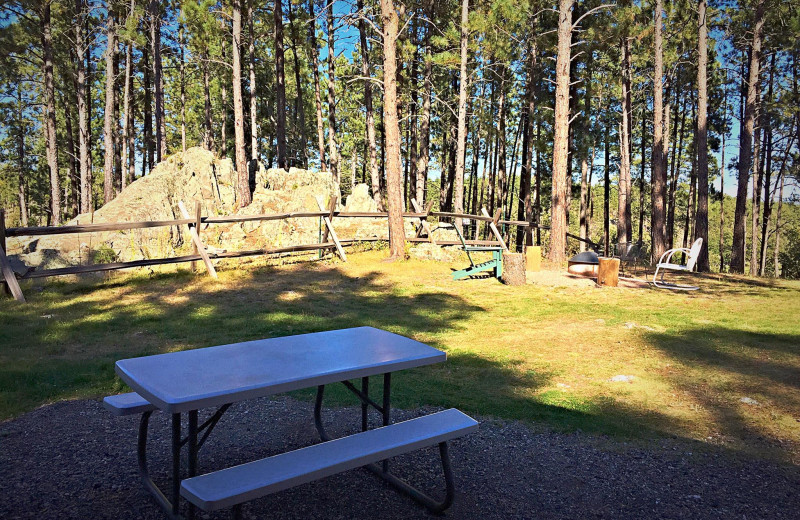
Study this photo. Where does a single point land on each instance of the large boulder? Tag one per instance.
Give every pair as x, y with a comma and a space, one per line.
197, 175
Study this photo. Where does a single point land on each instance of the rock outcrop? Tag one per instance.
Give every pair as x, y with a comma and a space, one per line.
196, 175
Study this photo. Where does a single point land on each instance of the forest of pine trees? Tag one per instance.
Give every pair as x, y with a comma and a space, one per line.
659, 121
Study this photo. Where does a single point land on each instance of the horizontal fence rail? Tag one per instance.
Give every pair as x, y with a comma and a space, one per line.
329, 239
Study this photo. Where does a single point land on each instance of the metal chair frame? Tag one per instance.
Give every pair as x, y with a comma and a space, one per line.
665, 264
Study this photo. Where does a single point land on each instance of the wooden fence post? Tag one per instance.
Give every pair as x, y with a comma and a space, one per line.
10, 279
199, 246
329, 227
6, 288
423, 221
197, 209
493, 226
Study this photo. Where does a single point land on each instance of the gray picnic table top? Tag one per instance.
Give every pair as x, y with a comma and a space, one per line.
192, 379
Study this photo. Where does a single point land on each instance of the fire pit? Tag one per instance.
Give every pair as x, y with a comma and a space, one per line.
584, 264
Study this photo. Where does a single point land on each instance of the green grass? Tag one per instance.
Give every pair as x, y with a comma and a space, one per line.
533, 353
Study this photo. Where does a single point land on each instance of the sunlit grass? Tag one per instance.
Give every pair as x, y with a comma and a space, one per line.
540, 354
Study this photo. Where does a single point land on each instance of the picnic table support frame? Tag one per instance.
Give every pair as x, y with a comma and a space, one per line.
172, 507
383, 470
144, 473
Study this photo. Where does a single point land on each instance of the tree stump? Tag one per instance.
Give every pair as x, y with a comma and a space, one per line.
513, 268
533, 259
608, 272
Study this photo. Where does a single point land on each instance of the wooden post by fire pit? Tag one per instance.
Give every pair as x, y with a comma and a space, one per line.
608, 272
513, 268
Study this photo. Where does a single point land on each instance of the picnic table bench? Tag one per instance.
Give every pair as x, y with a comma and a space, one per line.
187, 381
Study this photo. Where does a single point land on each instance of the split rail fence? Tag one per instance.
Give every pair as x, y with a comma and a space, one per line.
328, 239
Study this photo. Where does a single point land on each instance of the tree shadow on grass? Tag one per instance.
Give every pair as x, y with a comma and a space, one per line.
724, 285
72, 352
90, 326
746, 382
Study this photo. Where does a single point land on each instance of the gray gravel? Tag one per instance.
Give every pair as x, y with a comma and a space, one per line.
74, 460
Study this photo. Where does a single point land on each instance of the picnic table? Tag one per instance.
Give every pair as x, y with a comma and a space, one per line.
216, 377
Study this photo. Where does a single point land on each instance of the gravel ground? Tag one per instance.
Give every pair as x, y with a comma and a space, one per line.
74, 460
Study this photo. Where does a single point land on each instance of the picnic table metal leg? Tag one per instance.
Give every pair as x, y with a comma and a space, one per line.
176, 463
382, 470
416, 494
364, 404
318, 414
193, 449
387, 417
144, 473
194, 443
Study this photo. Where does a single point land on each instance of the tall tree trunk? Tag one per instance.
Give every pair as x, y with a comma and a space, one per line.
701, 220
658, 172
117, 127
413, 145
300, 108
242, 171
72, 154
390, 20
624, 231
372, 150
108, 116
23, 170
476, 154
762, 179
182, 77
776, 251
607, 191
208, 134
768, 194
83, 117
50, 115
312, 37
723, 168
758, 166
492, 138
583, 210
501, 145
147, 125
71, 188
127, 134
675, 169
280, 88
767, 215
641, 176
525, 210
158, 79
558, 207
89, 109
746, 143
224, 98
333, 148
251, 52
538, 200
461, 148
425, 124
692, 202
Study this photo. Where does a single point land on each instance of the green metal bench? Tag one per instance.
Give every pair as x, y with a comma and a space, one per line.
495, 264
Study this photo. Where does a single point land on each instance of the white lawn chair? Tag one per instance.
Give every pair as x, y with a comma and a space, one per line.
665, 264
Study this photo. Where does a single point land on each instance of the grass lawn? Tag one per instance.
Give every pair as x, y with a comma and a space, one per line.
539, 354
